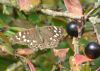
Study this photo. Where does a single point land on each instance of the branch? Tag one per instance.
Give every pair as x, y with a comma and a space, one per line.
64, 14
75, 43
14, 66
98, 69
93, 21
92, 10
9, 2
97, 20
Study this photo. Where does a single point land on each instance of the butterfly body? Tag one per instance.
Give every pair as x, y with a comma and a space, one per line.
40, 38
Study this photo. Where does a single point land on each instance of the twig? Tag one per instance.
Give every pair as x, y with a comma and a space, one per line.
73, 65
98, 69
64, 14
93, 21
9, 2
92, 10
76, 45
51, 12
97, 20
14, 66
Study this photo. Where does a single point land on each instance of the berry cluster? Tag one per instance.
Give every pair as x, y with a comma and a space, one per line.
92, 50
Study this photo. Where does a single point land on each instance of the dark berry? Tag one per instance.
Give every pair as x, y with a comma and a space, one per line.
72, 29
92, 50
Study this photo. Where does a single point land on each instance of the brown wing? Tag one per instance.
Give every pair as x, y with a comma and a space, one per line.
28, 37
51, 35
40, 38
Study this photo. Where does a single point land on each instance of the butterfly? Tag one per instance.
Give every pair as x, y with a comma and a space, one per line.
39, 38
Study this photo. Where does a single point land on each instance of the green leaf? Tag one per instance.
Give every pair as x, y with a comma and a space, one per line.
34, 18
59, 22
4, 63
1, 23
9, 33
64, 45
8, 49
6, 44
83, 42
5, 19
85, 67
16, 29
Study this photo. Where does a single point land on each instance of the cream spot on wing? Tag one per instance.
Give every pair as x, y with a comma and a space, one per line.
17, 38
28, 40
19, 34
55, 31
51, 38
34, 41
59, 30
23, 36
31, 43
25, 40
27, 33
55, 35
55, 27
54, 40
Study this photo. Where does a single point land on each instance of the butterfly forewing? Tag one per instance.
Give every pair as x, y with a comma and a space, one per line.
40, 38
51, 35
28, 37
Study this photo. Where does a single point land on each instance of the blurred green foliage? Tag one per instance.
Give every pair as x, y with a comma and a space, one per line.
15, 20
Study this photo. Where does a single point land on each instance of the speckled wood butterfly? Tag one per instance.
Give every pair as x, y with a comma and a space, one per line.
40, 37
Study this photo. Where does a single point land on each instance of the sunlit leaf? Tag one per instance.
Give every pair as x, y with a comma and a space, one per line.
74, 7
6, 45
61, 53
86, 67
79, 59
27, 5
